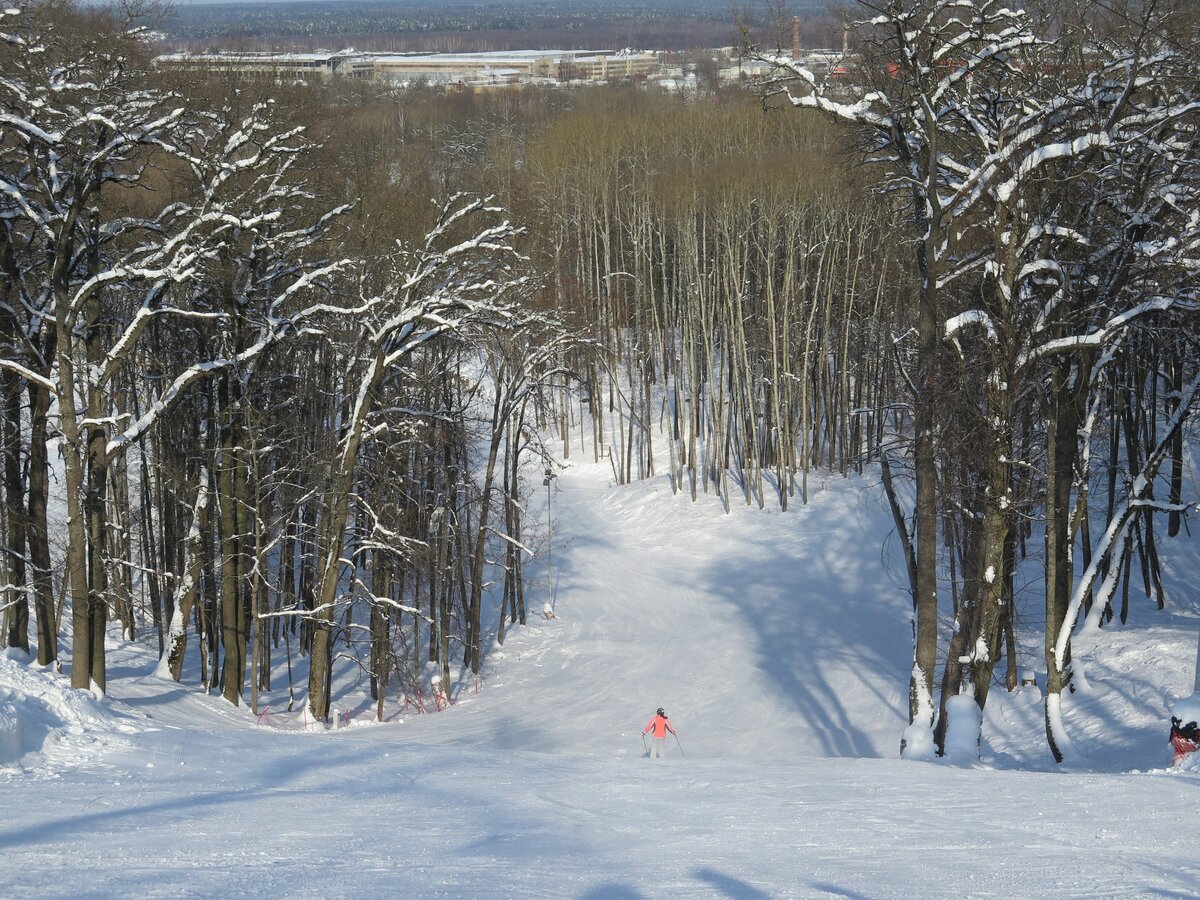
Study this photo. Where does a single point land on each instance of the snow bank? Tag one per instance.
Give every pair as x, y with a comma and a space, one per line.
46, 725
1190, 763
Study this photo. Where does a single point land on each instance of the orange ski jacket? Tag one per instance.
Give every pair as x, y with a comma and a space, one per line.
660, 725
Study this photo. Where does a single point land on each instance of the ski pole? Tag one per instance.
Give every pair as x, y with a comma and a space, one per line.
644, 747
681, 753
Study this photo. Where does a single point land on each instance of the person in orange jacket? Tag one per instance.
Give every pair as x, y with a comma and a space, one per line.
660, 726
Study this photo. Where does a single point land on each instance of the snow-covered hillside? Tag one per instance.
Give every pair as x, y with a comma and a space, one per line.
777, 642
763, 634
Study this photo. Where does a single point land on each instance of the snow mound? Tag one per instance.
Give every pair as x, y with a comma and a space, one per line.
47, 727
962, 735
1190, 763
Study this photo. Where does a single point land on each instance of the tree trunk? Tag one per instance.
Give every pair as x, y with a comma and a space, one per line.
474, 624
16, 598
233, 625
39, 529
1061, 447
188, 586
920, 703
333, 525
994, 559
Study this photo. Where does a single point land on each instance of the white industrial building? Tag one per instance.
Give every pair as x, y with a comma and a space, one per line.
501, 67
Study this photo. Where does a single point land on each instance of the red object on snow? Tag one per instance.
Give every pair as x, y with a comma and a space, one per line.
1182, 747
1185, 740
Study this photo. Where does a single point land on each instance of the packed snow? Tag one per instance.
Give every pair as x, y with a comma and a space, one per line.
779, 645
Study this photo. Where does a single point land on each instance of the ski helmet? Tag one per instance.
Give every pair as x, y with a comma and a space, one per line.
661, 713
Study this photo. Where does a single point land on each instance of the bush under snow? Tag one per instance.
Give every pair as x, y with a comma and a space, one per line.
962, 732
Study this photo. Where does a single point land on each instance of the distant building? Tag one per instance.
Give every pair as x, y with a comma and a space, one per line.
506, 67
347, 64
462, 67
613, 66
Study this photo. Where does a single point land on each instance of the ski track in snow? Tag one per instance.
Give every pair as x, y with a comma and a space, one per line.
777, 642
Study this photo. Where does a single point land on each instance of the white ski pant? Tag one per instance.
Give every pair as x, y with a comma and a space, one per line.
656, 747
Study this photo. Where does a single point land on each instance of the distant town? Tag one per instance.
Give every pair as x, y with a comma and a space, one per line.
467, 45
483, 70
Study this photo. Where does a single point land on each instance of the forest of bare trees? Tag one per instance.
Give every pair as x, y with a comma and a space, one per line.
261, 423
1047, 160
282, 362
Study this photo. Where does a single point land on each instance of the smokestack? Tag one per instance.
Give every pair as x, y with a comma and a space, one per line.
795, 37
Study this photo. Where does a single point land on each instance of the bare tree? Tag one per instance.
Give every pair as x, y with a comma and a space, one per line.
458, 278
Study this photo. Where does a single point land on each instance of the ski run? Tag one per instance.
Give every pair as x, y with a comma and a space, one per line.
534, 782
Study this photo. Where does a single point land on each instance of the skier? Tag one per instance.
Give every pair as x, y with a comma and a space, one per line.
660, 726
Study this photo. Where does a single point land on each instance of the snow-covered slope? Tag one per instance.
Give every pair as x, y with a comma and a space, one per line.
779, 644
785, 635
762, 634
